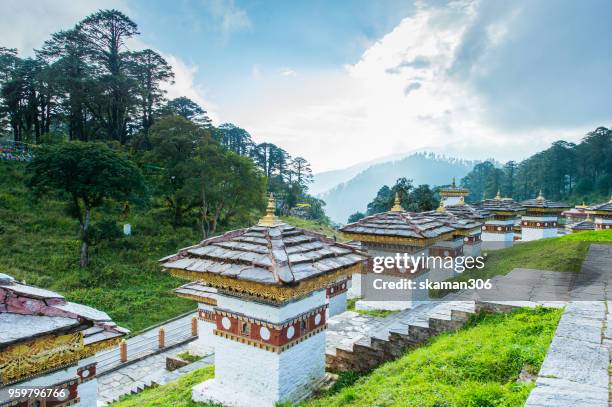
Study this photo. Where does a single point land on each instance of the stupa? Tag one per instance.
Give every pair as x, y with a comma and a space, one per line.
49, 343
270, 308
602, 215
391, 233
541, 218
498, 232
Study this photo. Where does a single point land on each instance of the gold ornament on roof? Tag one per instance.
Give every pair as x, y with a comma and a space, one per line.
397, 207
441, 207
269, 218
540, 196
498, 196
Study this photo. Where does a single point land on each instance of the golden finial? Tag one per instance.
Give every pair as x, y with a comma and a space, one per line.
397, 206
441, 208
498, 196
540, 196
270, 218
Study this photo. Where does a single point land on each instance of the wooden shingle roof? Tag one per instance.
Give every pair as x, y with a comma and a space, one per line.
400, 226
274, 255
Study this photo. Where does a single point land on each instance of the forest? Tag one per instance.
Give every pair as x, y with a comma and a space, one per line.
95, 117
565, 171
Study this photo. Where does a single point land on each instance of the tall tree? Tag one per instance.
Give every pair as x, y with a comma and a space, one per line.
149, 71
187, 108
89, 174
105, 33
236, 139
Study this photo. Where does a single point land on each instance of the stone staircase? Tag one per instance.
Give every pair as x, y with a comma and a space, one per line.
404, 330
410, 328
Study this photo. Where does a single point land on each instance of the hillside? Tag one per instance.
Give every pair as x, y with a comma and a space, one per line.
477, 366
355, 194
39, 244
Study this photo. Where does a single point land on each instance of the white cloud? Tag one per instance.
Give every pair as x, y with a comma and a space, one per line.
398, 97
184, 85
26, 24
287, 72
228, 16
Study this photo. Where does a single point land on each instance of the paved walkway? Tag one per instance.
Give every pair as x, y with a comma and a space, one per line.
140, 375
146, 364
146, 343
575, 371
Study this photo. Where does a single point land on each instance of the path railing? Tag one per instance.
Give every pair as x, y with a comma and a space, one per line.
148, 343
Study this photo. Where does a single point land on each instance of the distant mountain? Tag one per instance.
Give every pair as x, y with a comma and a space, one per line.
324, 181
423, 168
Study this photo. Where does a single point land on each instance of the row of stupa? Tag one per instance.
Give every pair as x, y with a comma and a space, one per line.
265, 293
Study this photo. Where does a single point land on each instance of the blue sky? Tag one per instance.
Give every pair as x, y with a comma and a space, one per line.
341, 82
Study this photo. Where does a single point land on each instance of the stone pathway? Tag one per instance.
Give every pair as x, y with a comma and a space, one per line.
576, 370
140, 375
146, 363
178, 331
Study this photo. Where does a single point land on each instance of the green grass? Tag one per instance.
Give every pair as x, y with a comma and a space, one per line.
381, 313
173, 394
477, 366
187, 357
564, 254
314, 226
39, 244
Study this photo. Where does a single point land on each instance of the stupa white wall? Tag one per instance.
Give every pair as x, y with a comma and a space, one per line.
246, 375
204, 344
538, 227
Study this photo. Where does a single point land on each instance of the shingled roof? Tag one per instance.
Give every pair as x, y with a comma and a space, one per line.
270, 253
604, 207
280, 255
400, 225
461, 223
542, 203
27, 312
466, 211
582, 225
499, 204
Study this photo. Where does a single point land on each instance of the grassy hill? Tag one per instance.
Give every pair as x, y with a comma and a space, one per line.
39, 244
478, 366
563, 254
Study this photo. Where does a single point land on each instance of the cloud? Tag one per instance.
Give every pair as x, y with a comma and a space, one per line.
411, 87
372, 108
419, 62
184, 85
227, 15
287, 72
26, 24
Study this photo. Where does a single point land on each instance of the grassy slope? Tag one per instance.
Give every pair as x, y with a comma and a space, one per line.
39, 244
175, 394
564, 254
478, 366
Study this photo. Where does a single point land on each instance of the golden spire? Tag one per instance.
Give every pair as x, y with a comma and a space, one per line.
540, 196
498, 196
269, 218
441, 208
397, 206
454, 185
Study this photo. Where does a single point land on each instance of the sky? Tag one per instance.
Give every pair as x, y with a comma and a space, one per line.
344, 82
